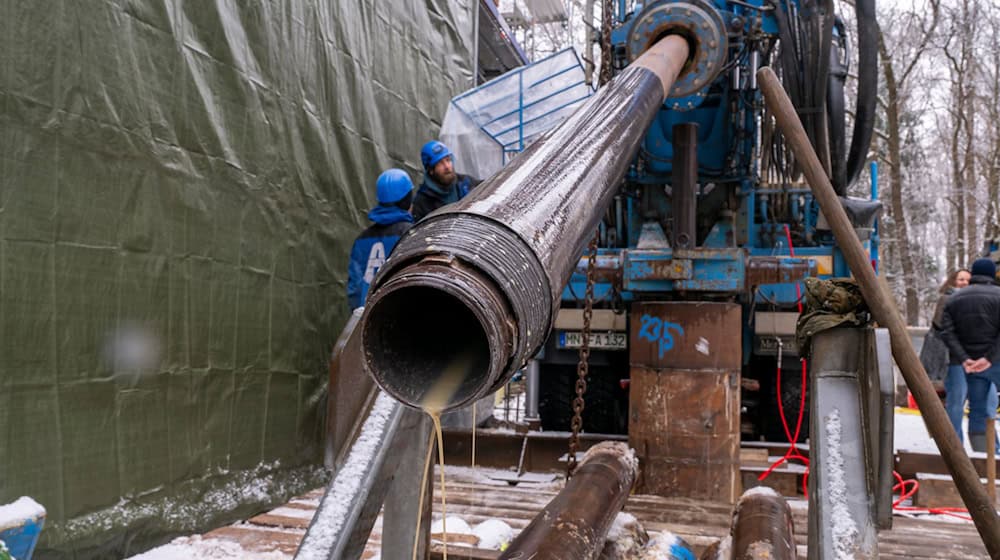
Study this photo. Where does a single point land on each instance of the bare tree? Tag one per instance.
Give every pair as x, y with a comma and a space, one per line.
959, 50
913, 34
989, 162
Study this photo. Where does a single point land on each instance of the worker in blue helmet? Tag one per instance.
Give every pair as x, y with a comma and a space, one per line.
392, 218
441, 184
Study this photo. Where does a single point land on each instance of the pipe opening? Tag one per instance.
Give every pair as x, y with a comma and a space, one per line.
426, 347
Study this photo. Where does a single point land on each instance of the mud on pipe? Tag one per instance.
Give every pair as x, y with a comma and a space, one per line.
470, 293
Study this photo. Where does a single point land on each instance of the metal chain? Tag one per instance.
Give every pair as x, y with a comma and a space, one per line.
606, 14
582, 368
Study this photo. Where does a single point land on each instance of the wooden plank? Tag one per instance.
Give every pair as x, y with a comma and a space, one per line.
463, 553
776, 449
269, 520
259, 540
784, 481
938, 491
909, 463
754, 457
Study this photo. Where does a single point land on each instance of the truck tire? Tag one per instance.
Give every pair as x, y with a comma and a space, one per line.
605, 403
555, 397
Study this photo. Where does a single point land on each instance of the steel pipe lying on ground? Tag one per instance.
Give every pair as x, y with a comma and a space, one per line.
575, 524
762, 527
469, 294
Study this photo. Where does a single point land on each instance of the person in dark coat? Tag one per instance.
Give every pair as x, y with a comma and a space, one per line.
934, 357
392, 218
441, 184
934, 352
970, 326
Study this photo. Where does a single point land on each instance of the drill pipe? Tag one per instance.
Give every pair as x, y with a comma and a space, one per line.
575, 524
470, 293
762, 527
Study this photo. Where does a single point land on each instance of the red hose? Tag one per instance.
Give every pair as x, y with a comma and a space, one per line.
793, 452
905, 494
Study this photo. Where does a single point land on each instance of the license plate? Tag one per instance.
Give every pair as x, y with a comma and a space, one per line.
602, 340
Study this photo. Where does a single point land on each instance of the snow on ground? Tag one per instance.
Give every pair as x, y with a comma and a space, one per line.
911, 433
198, 548
494, 534
626, 537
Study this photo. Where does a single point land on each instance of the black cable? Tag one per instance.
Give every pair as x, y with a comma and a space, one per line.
864, 114
836, 110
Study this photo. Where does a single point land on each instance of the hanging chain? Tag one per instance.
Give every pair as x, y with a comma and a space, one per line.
582, 368
606, 14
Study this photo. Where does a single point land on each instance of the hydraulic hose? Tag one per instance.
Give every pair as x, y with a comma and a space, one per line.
836, 110
864, 113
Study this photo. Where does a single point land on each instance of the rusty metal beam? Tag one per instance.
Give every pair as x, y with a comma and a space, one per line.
351, 392
534, 451
574, 525
475, 286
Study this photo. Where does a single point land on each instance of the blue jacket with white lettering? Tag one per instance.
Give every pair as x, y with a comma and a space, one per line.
372, 247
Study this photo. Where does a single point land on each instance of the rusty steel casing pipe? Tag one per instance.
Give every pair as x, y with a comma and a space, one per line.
762, 527
471, 291
575, 524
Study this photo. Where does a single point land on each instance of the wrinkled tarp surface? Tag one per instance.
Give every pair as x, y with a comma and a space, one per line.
180, 183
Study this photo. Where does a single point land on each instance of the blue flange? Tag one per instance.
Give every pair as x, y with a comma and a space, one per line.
696, 20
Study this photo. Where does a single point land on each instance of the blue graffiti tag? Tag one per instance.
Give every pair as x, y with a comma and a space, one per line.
657, 330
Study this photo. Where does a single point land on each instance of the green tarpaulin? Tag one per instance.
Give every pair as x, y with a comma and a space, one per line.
180, 183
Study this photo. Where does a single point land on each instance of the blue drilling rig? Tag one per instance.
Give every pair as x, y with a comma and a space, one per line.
714, 211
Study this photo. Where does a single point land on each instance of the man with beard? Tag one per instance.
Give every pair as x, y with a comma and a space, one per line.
441, 184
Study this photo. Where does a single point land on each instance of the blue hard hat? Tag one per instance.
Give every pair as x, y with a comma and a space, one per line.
392, 186
433, 152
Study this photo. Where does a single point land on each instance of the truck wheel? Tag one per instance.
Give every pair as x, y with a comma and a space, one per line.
606, 403
556, 391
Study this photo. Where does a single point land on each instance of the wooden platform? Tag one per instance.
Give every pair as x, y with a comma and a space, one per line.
474, 497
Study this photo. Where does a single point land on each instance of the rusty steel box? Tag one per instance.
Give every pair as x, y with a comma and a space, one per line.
684, 398
685, 427
686, 335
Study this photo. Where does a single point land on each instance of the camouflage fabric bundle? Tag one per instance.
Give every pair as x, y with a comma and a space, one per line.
829, 303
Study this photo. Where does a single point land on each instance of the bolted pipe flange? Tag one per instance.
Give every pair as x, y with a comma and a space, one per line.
700, 24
